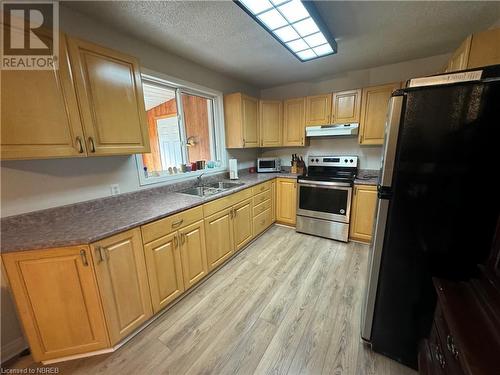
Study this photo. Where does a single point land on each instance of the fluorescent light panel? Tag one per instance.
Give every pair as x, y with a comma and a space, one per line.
290, 22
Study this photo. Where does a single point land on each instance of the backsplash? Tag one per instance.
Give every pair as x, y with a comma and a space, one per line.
369, 156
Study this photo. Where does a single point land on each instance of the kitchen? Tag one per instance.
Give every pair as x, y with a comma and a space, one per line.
122, 253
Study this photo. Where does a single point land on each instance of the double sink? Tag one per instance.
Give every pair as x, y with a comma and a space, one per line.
211, 189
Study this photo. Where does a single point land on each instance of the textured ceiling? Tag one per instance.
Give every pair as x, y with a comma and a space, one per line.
220, 36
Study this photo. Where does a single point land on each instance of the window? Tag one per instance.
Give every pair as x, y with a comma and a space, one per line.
185, 131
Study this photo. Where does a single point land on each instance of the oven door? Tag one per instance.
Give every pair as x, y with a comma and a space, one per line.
324, 200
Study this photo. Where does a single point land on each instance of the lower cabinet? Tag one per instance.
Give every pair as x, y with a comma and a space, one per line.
164, 269
286, 201
193, 253
273, 201
242, 223
123, 282
58, 301
363, 212
220, 238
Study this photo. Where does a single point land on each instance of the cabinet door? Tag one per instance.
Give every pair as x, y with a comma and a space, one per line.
163, 262
123, 282
363, 212
484, 49
58, 301
286, 205
318, 109
193, 253
346, 106
271, 122
109, 90
242, 223
273, 201
294, 122
39, 113
373, 113
250, 112
220, 240
460, 57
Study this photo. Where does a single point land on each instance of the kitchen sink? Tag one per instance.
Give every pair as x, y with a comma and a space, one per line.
210, 189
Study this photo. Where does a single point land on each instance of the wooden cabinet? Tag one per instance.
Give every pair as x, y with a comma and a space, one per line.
109, 89
271, 122
39, 115
346, 106
176, 256
477, 50
123, 282
242, 223
92, 105
163, 260
294, 122
374, 105
363, 212
460, 57
193, 254
220, 238
58, 301
241, 117
286, 202
263, 206
318, 109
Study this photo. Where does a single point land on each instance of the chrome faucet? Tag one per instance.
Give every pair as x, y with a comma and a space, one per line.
199, 182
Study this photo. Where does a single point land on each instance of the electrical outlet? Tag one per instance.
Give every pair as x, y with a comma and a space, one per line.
115, 189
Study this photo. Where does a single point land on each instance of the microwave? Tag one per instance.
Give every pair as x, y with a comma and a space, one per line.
268, 165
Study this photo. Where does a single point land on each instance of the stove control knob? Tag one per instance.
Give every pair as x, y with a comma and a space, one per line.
346, 160
352, 161
312, 160
317, 160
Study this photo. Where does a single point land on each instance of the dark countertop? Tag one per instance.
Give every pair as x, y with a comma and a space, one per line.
87, 222
367, 177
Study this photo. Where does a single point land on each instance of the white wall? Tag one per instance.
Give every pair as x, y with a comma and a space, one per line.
38, 184
369, 156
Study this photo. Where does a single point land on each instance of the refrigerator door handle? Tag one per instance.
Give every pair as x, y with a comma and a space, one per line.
391, 139
375, 257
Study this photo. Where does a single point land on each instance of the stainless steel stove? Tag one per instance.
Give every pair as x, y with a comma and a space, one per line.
324, 196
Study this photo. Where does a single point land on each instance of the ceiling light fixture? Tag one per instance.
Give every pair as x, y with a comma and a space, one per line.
295, 24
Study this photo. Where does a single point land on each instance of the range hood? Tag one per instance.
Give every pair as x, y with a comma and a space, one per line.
332, 130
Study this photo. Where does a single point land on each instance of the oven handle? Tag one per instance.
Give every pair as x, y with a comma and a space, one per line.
327, 185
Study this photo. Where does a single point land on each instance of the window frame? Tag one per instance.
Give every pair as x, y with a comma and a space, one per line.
217, 131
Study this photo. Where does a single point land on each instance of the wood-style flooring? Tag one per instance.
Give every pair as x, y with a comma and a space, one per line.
287, 304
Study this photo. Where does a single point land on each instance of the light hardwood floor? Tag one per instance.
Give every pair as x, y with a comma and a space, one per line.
287, 304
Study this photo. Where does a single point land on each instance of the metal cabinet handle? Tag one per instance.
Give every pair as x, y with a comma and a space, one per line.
176, 241
83, 255
92, 144
177, 223
183, 238
80, 144
450, 344
244, 142
98, 250
231, 213
440, 357
235, 212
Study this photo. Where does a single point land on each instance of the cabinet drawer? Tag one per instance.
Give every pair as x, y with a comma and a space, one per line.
261, 187
261, 207
165, 226
261, 222
261, 197
222, 203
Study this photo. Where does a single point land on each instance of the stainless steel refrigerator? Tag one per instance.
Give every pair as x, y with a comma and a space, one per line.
438, 202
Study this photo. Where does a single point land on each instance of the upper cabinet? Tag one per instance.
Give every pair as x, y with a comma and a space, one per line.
91, 105
373, 113
39, 114
318, 109
294, 122
346, 106
271, 122
241, 116
109, 89
479, 49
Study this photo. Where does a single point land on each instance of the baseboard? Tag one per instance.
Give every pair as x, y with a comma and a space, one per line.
13, 348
